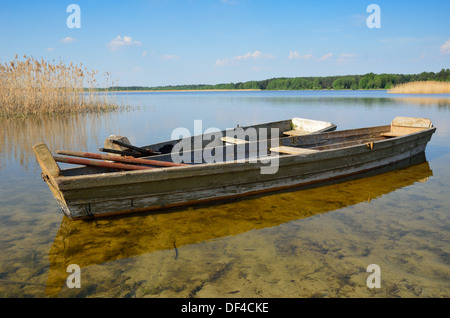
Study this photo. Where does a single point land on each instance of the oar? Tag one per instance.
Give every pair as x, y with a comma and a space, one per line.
119, 158
138, 149
120, 152
86, 162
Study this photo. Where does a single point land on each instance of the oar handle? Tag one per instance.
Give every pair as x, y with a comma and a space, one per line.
86, 162
119, 152
119, 158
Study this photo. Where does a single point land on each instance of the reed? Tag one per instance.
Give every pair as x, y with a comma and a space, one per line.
421, 87
36, 87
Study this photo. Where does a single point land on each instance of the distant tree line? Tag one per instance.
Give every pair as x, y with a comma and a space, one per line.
366, 81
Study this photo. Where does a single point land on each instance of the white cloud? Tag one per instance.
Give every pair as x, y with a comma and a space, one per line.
445, 48
326, 56
50, 49
68, 39
119, 42
170, 57
295, 55
257, 55
254, 55
144, 53
222, 62
347, 55
418, 59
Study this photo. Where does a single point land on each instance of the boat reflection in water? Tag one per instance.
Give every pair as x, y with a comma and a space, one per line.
98, 241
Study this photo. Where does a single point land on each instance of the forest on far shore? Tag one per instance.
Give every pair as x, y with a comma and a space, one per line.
366, 81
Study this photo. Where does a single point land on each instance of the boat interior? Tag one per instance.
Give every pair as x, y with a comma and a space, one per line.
236, 149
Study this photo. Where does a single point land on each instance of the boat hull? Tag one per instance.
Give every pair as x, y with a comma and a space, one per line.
108, 194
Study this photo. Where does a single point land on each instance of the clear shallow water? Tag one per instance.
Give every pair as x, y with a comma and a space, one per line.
308, 243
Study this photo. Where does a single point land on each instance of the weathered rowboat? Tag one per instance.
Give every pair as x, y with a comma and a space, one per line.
291, 161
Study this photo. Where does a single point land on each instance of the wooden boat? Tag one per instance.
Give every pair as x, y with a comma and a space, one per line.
299, 160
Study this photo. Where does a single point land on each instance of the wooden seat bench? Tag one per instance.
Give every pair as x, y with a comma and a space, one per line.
233, 140
293, 150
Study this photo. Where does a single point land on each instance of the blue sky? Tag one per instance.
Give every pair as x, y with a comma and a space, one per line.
171, 42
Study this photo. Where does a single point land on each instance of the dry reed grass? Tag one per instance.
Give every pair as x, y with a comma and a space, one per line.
421, 87
36, 87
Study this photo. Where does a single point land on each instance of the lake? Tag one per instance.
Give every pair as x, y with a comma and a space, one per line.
315, 242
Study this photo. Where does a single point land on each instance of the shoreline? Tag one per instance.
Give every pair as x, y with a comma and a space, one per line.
185, 90
240, 90
260, 90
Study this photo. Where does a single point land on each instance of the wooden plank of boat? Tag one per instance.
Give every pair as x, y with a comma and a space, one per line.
293, 150
232, 140
411, 122
406, 125
401, 126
